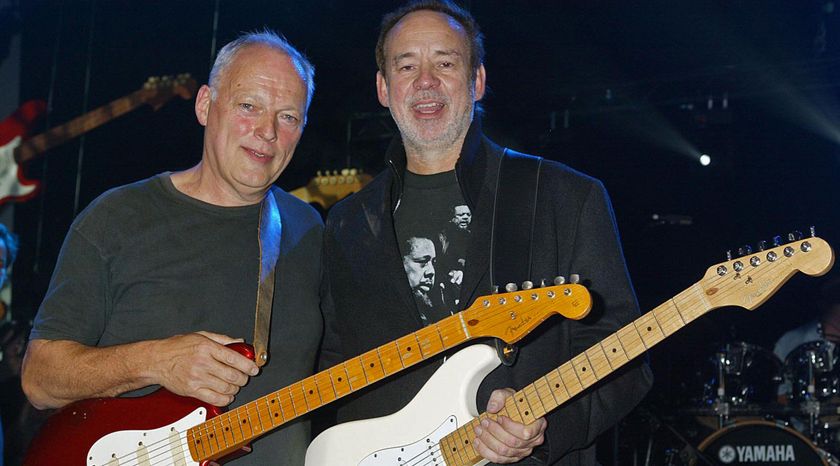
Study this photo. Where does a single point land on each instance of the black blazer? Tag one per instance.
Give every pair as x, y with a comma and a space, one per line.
367, 301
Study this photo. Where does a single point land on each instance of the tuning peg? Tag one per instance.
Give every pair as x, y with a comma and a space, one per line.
777, 241
318, 173
559, 280
795, 235
762, 245
574, 279
542, 283
510, 287
527, 285
813, 231
744, 250
354, 171
495, 289
729, 254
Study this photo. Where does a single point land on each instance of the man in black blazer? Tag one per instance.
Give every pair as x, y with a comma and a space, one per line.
430, 77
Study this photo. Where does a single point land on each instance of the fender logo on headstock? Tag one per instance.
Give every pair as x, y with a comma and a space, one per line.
763, 287
514, 329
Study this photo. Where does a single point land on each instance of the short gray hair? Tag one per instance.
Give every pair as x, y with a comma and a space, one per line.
271, 39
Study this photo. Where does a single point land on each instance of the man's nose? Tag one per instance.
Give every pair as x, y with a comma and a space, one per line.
266, 128
427, 78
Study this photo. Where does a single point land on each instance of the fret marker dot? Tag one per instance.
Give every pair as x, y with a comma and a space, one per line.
371, 364
614, 350
649, 329
311, 392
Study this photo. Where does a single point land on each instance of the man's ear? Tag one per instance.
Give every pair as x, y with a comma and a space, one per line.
202, 104
480, 79
382, 89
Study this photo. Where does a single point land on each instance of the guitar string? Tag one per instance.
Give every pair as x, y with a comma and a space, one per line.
391, 350
689, 297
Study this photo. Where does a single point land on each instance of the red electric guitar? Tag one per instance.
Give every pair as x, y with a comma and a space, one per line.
16, 149
167, 429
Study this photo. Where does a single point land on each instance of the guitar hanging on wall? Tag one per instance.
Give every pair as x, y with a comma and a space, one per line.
17, 149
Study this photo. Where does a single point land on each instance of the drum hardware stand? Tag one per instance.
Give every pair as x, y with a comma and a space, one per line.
811, 407
689, 451
721, 405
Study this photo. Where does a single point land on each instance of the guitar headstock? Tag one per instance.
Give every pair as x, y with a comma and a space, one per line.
329, 187
749, 280
159, 89
510, 316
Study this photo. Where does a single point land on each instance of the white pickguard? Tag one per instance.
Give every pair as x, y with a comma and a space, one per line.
446, 402
165, 445
9, 183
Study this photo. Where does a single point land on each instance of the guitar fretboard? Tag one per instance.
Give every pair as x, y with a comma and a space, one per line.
82, 124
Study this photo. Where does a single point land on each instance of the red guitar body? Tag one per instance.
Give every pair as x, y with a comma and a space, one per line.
67, 437
19, 123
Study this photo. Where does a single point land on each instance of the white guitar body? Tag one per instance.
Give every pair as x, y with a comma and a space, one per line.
411, 435
164, 445
12, 182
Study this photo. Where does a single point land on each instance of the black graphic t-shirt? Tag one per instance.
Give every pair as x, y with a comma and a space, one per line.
433, 230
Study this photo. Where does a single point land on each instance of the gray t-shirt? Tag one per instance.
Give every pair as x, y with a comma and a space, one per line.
145, 261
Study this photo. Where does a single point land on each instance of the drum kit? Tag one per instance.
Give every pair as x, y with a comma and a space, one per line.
764, 411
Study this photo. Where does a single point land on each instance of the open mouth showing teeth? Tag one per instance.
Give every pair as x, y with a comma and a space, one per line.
429, 107
257, 154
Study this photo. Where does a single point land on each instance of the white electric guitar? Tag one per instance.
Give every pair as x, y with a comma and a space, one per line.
437, 427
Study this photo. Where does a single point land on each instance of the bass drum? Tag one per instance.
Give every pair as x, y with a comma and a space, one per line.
761, 443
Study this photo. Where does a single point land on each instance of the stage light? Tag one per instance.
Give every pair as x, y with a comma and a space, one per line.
705, 160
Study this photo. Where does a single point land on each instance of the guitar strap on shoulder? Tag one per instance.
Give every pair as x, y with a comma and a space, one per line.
514, 214
270, 230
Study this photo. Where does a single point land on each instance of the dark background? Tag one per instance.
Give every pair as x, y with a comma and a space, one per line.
630, 92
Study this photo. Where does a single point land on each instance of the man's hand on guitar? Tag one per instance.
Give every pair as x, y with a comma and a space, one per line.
200, 366
504, 440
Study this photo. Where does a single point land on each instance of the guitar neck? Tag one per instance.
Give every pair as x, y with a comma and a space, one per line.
230, 431
30, 148
584, 370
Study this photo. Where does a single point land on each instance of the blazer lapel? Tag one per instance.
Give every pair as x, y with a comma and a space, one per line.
378, 218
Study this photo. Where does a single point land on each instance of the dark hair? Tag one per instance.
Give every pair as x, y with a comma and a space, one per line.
11, 241
462, 16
